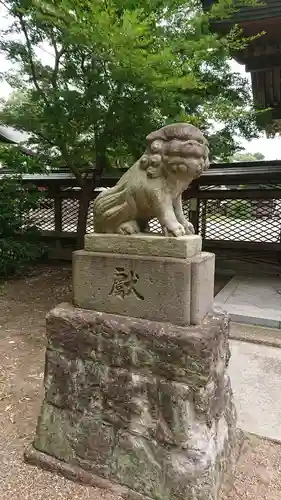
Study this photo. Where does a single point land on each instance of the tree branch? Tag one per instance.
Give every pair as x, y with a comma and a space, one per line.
31, 62
49, 141
72, 167
77, 174
5, 5
58, 55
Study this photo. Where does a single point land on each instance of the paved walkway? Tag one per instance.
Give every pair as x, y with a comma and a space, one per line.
255, 372
252, 300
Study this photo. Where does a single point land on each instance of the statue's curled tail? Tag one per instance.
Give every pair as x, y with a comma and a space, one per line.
110, 209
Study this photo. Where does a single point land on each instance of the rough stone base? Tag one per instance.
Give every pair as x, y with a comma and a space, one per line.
141, 404
78, 475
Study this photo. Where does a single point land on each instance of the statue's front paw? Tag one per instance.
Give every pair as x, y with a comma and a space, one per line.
189, 228
129, 227
177, 230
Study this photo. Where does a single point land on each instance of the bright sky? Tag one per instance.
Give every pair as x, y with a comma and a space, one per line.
270, 148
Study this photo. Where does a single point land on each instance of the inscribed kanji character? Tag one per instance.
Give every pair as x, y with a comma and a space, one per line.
125, 283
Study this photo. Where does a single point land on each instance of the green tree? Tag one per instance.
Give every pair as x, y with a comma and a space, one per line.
246, 157
20, 241
119, 70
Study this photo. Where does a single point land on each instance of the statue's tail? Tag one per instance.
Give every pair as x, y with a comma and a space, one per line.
110, 210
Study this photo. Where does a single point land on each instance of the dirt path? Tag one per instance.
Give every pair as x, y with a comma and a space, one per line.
23, 305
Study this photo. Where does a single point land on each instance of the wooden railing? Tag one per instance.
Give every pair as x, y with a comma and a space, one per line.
234, 206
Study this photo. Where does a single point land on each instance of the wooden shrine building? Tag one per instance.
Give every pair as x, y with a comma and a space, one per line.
262, 57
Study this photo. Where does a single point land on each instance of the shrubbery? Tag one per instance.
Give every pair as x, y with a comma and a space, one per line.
240, 209
19, 238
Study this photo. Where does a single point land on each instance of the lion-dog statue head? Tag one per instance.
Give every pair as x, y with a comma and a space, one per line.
152, 188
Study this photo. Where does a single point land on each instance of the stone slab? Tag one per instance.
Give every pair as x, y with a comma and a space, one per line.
78, 475
245, 314
155, 245
138, 403
202, 286
156, 288
253, 300
138, 344
255, 334
255, 372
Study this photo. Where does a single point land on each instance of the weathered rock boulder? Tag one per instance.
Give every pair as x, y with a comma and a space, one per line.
142, 404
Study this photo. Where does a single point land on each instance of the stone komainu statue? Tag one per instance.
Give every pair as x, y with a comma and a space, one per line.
152, 188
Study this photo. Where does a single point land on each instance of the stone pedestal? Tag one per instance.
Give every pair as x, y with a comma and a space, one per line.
147, 276
140, 406
144, 404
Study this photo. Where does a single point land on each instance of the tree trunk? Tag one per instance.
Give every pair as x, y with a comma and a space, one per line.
84, 203
87, 190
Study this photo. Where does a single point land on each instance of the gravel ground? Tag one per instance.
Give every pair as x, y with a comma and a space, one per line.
23, 305
258, 472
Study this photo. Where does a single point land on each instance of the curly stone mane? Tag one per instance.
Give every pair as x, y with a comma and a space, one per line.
177, 140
